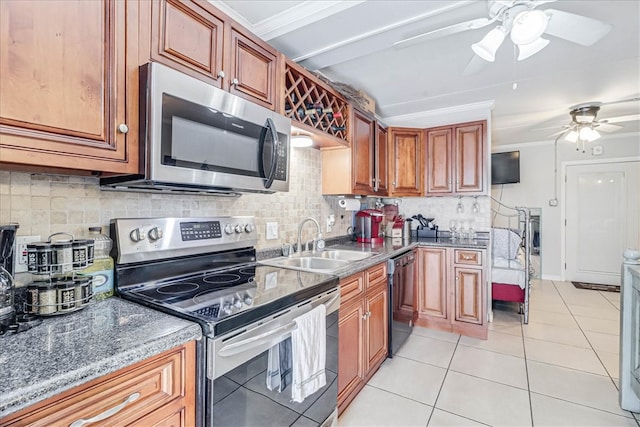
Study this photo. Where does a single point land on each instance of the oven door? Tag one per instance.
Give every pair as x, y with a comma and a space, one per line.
237, 393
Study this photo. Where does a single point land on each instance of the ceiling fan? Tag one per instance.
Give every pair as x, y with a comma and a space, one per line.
525, 24
585, 125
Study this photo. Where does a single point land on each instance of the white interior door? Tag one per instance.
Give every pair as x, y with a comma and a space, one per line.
601, 219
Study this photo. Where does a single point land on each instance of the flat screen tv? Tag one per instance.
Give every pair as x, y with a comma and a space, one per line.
505, 168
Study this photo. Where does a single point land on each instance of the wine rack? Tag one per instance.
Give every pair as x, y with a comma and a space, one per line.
314, 106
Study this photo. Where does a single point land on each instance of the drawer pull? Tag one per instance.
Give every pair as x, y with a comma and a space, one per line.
467, 257
108, 413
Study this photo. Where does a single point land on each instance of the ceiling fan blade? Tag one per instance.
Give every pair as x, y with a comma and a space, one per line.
475, 65
637, 98
560, 132
606, 127
620, 119
575, 28
445, 31
537, 3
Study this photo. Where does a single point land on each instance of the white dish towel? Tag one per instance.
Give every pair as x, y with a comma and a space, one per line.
309, 353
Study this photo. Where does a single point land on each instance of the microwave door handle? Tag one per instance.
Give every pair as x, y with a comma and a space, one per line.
271, 126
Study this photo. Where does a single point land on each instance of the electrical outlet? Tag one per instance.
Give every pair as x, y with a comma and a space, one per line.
20, 257
331, 221
272, 230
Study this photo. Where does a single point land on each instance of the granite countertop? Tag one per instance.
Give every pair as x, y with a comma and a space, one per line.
69, 350
389, 249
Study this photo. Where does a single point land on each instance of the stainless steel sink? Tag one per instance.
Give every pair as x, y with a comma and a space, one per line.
311, 263
345, 254
327, 261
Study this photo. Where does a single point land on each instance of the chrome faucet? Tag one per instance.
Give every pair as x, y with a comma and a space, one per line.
319, 243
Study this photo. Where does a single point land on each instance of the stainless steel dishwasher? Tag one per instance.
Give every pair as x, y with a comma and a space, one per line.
402, 311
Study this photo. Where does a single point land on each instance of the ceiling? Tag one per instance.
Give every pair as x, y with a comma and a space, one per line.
424, 83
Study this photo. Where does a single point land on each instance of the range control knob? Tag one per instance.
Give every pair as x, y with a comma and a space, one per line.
249, 228
155, 234
226, 308
247, 299
239, 228
137, 234
228, 229
237, 303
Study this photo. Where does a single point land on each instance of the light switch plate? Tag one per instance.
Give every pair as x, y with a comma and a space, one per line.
272, 230
20, 258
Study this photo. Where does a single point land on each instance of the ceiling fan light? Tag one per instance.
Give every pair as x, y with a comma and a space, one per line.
530, 49
528, 26
301, 141
587, 133
487, 47
571, 136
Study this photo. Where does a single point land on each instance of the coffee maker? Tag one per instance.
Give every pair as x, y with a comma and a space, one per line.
7, 246
368, 226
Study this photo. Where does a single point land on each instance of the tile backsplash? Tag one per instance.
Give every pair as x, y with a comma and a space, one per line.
46, 204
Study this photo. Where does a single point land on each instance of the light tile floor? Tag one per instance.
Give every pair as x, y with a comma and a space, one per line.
559, 370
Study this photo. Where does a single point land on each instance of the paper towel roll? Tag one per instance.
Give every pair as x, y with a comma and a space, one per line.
349, 204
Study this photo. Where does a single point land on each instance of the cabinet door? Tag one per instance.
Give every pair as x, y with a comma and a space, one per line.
405, 161
381, 161
351, 348
439, 174
362, 146
252, 69
469, 162
468, 295
187, 37
432, 289
377, 321
63, 67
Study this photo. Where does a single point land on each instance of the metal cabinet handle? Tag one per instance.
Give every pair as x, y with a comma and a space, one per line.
221, 74
235, 82
123, 128
108, 413
467, 257
366, 315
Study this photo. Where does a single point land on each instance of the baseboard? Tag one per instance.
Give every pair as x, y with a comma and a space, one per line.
555, 278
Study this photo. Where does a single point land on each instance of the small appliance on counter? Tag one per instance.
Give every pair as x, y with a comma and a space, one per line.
426, 226
368, 226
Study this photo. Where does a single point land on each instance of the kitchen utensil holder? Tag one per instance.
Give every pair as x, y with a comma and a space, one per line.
427, 232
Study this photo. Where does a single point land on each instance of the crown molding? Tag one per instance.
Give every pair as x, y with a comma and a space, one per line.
299, 16
444, 116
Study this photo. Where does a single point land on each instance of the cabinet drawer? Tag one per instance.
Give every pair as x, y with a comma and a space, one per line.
146, 387
376, 275
351, 287
467, 257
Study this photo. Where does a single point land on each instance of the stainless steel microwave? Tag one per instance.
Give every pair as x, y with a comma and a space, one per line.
198, 138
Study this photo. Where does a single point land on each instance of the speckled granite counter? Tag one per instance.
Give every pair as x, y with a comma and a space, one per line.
393, 247
69, 350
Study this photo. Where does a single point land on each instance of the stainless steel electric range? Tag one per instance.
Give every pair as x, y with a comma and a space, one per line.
205, 270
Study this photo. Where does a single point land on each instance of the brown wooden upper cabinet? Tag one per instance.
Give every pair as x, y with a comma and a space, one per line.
456, 160
362, 168
69, 85
405, 162
195, 38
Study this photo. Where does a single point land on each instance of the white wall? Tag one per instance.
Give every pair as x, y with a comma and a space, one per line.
537, 185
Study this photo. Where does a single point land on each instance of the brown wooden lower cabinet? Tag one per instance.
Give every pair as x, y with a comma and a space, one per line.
362, 329
159, 391
452, 292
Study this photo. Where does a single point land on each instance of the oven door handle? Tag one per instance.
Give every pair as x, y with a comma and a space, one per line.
280, 334
244, 345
